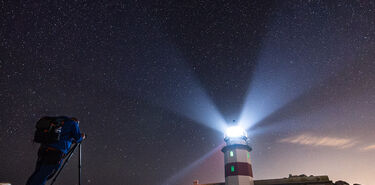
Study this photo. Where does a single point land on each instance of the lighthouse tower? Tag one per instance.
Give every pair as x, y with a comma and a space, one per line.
238, 170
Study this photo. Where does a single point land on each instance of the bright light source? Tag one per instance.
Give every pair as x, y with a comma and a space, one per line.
235, 132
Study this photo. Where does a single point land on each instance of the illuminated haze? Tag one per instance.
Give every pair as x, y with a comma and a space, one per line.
154, 85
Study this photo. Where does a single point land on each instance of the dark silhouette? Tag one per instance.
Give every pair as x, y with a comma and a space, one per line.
50, 155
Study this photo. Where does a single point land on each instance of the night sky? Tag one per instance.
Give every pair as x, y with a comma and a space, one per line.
155, 83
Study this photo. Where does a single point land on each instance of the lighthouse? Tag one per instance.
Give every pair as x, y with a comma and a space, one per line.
238, 170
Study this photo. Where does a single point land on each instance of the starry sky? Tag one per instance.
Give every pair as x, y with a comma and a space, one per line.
154, 84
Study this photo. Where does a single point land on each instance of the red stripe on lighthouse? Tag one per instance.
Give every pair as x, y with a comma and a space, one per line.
233, 169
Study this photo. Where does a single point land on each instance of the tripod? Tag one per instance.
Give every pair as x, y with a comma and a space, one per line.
69, 155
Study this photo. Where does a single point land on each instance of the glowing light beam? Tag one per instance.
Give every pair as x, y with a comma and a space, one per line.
289, 65
180, 174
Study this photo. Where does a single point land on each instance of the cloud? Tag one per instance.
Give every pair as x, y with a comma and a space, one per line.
369, 147
308, 139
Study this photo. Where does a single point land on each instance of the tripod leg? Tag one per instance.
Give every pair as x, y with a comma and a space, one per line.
70, 153
79, 164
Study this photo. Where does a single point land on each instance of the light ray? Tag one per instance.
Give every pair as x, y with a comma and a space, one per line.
180, 174
289, 65
169, 83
